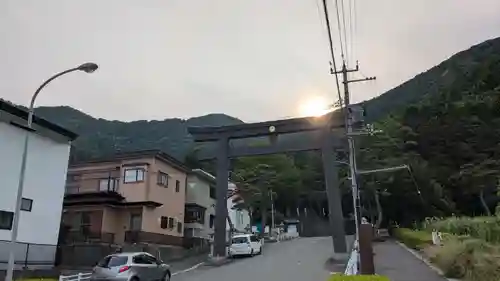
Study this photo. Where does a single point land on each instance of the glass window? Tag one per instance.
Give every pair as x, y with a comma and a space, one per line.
26, 204
179, 227
254, 238
6, 220
170, 222
133, 175
239, 240
212, 192
212, 219
141, 259
162, 179
164, 222
112, 261
177, 186
109, 184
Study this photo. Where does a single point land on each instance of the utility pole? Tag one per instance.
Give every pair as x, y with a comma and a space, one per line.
352, 149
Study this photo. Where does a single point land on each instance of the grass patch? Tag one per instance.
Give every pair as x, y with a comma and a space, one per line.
415, 239
342, 277
468, 258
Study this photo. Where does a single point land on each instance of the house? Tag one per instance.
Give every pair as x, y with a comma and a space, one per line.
200, 205
133, 197
47, 162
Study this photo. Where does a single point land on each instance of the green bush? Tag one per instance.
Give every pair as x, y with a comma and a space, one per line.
415, 239
485, 228
342, 277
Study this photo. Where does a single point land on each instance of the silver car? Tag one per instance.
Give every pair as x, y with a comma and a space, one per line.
131, 267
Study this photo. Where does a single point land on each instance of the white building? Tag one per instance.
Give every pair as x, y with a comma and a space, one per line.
239, 217
47, 162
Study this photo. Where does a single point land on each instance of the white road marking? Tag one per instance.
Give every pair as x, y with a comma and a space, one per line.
189, 269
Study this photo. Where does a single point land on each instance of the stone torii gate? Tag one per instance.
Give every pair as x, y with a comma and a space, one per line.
319, 136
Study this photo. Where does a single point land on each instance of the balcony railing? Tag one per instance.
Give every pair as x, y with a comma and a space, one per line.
92, 187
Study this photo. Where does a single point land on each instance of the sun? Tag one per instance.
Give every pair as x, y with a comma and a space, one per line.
315, 106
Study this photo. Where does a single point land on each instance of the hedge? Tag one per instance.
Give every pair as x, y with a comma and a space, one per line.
414, 239
342, 277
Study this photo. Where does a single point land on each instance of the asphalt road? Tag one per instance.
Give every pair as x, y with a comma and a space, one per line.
299, 259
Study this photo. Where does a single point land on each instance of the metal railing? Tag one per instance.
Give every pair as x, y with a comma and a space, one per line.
28, 255
76, 277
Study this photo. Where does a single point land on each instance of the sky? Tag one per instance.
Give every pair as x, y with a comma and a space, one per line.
256, 60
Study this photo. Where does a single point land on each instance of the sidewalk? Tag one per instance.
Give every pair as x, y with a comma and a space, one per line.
398, 264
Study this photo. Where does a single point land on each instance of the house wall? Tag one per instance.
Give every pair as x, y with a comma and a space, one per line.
44, 183
45, 177
239, 218
173, 201
198, 192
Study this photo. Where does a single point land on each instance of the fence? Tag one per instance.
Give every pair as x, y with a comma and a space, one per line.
76, 277
28, 255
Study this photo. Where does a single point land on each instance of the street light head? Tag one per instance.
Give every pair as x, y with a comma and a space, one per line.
88, 67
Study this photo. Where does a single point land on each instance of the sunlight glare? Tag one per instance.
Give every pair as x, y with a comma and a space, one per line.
315, 106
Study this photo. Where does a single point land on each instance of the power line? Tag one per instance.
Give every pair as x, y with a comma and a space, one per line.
338, 27
332, 53
345, 30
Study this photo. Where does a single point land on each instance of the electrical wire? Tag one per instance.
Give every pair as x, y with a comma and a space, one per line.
339, 27
345, 31
332, 53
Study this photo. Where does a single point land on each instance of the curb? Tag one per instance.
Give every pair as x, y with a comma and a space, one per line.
425, 261
188, 269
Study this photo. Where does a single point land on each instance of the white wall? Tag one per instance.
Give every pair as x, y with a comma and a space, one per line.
198, 192
44, 183
239, 218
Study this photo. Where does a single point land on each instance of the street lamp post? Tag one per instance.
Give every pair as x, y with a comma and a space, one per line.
86, 67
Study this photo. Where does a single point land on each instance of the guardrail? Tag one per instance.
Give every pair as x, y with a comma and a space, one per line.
77, 277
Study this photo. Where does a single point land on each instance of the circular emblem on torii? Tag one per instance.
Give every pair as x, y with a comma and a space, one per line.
272, 129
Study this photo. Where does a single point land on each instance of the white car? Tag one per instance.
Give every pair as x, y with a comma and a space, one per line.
245, 244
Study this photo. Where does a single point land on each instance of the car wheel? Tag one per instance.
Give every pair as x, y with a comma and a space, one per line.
167, 276
251, 253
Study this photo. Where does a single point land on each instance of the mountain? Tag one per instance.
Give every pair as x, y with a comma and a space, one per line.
453, 74
460, 73
100, 137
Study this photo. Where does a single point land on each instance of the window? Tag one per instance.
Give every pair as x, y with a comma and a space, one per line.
177, 185
135, 221
112, 261
254, 238
133, 175
195, 215
164, 222
142, 259
212, 192
170, 223
6, 220
109, 184
240, 240
162, 179
26, 204
179, 227
212, 219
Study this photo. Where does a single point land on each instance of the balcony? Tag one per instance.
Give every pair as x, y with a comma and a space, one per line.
93, 191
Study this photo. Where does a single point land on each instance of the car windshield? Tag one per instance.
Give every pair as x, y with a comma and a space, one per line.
240, 240
112, 261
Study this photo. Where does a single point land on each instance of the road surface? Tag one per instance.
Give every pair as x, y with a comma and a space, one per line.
300, 259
